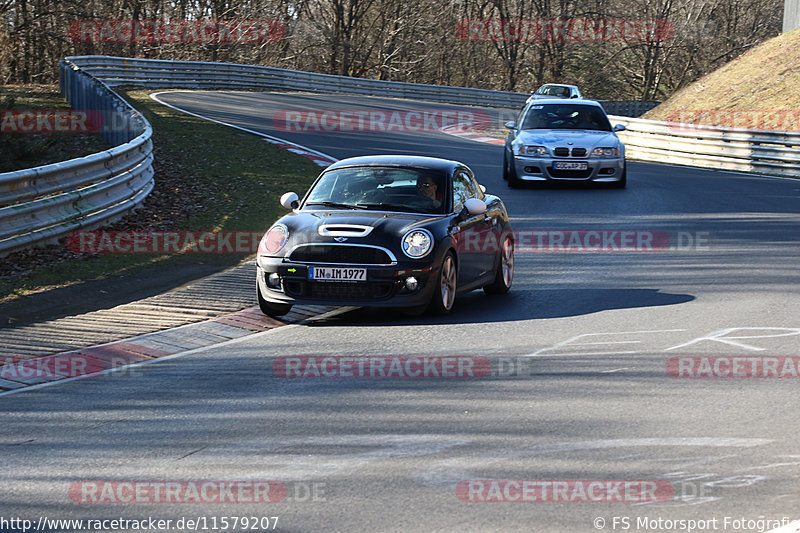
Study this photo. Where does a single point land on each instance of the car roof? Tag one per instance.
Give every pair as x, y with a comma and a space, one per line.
562, 101
433, 163
559, 85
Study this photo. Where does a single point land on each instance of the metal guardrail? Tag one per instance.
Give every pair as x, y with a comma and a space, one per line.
163, 74
42, 204
764, 152
150, 73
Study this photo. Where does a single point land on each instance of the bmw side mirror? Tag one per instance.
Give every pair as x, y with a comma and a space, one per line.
483, 189
475, 206
290, 200
511, 125
620, 127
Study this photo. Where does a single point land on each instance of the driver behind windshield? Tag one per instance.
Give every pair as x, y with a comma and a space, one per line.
427, 187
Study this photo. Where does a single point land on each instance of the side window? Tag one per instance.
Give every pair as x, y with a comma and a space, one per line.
476, 188
464, 188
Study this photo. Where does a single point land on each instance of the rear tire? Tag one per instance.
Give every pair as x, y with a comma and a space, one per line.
504, 275
269, 308
446, 285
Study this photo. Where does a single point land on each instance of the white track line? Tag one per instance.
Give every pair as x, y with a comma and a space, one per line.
270, 138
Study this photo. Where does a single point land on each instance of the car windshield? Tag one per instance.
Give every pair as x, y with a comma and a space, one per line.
414, 190
554, 90
565, 117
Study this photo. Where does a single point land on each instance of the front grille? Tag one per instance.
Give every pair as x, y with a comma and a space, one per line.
569, 174
564, 152
325, 253
339, 290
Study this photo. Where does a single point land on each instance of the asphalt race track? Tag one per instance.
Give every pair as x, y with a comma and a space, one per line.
589, 358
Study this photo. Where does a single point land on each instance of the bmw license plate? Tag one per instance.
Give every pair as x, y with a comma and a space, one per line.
571, 165
337, 274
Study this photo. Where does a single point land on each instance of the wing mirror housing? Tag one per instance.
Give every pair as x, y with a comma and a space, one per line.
620, 127
511, 125
475, 206
290, 200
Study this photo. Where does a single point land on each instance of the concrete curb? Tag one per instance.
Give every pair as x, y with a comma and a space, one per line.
114, 356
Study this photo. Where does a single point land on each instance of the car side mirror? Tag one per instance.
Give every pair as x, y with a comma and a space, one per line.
574, 96
511, 125
620, 127
475, 206
483, 189
290, 200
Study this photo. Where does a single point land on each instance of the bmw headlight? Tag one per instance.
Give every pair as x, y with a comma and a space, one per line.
417, 243
532, 151
273, 240
605, 152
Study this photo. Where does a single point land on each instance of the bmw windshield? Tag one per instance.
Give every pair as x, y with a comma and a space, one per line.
413, 190
565, 117
556, 91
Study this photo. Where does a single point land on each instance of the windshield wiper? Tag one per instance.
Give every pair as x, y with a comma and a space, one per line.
336, 204
397, 207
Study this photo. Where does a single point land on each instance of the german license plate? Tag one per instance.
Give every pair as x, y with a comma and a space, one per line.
570, 165
337, 274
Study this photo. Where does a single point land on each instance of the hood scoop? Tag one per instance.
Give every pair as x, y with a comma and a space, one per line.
344, 230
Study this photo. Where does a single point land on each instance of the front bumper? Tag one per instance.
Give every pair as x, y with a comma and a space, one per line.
541, 169
385, 286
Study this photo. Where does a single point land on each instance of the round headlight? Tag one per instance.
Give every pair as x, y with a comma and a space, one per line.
417, 243
273, 240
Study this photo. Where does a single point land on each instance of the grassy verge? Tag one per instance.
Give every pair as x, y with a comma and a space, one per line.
758, 90
209, 177
19, 150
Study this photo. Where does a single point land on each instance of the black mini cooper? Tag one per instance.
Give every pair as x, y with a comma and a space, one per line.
386, 231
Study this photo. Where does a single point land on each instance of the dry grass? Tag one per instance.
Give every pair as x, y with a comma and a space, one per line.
26, 150
761, 89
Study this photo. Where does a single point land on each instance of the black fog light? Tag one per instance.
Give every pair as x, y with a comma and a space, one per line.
533, 170
411, 283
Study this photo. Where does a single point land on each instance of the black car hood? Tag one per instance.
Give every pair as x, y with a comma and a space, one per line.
304, 225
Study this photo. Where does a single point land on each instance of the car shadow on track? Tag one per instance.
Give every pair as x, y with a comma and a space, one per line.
518, 305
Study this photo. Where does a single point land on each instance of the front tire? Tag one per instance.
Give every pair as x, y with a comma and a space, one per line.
446, 284
504, 275
624, 181
510, 171
269, 308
